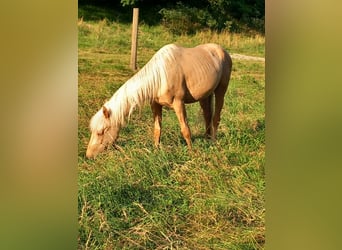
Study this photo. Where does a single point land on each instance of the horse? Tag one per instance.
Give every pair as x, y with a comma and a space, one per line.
173, 77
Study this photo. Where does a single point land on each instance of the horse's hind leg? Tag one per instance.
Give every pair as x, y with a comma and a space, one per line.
157, 116
219, 99
180, 111
206, 105
220, 91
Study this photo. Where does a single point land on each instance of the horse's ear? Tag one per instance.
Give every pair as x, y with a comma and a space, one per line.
106, 112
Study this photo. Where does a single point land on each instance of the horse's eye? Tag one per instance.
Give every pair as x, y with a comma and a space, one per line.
100, 132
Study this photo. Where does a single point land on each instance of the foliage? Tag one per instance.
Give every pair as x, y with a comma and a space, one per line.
128, 2
189, 16
185, 20
235, 16
144, 198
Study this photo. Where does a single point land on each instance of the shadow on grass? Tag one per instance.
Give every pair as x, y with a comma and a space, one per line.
100, 12
130, 206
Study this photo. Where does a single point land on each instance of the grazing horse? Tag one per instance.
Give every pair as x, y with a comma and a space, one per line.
173, 77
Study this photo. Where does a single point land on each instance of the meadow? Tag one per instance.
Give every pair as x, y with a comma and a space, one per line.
141, 197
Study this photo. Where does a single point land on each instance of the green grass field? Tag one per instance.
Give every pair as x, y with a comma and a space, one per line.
170, 198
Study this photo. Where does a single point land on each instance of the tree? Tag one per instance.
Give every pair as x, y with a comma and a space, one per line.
129, 2
233, 15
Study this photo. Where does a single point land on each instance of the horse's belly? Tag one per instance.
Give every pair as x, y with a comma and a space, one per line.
200, 81
199, 90
187, 90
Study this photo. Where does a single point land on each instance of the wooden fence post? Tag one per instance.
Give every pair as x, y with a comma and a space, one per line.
134, 39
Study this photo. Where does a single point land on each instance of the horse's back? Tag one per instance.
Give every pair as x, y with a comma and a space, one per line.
209, 53
194, 73
215, 49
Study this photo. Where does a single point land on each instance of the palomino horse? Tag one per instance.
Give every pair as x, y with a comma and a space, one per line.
174, 76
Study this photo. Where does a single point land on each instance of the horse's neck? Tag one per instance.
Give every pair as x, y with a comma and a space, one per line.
138, 90
120, 106
123, 102
141, 88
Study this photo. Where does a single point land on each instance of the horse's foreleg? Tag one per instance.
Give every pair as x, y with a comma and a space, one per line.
157, 117
180, 111
206, 105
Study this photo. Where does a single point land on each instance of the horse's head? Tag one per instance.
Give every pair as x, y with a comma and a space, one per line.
103, 132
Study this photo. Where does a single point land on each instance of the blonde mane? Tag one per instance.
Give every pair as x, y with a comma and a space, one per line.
142, 88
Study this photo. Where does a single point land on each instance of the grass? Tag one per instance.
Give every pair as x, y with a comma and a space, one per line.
170, 198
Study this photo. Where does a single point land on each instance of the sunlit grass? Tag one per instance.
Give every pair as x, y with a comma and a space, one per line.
147, 198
